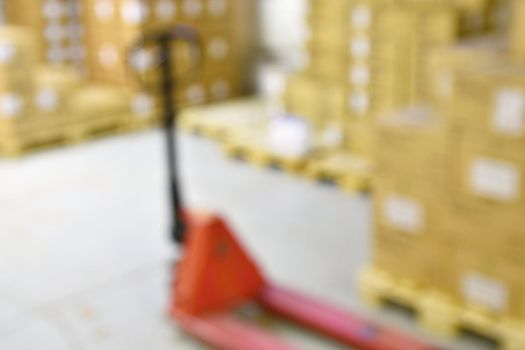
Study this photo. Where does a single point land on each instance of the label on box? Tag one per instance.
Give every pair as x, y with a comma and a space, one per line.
55, 32
104, 10
193, 8
359, 102
508, 115
360, 75
495, 179
56, 54
360, 47
361, 17
108, 56
405, 214
142, 60
7, 52
53, 10
142, 105
166, 10
445, 84
485, 291
134, 12
10, 106
47, 100
218, 48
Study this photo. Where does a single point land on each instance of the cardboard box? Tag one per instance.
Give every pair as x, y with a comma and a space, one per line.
487, 176
517, 29
57, 24
443, 62
413, 144
53, 87
409, 240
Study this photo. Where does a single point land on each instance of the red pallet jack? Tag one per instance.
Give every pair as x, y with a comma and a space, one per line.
216, 275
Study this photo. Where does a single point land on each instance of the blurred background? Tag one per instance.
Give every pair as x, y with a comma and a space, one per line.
367, 152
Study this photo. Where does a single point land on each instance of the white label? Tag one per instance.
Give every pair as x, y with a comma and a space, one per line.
333, 135
142, 105
360, 47
360, 75
134, 12
509, 107
445, 85
218, 48
359, 102
7, 52
495, 179
217, 8
142, 60
10, 106
75, 31
77, 52
361, 17
193, 8
196, 93
289, 136
56, 55
53, 10
108, 56
485, 291
47, 100
220, 89
165, 10
55, 32
104, 10
404, 214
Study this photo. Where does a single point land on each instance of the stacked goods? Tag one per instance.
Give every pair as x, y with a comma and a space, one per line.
17, 64
376, 53
444, 61
487, 198
450, 193
58, 24
409, 190
403, 37
41, 104
115, 25
517, 30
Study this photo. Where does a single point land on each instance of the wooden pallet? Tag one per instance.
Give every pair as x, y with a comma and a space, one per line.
250, 145
439, 313
35, 137
219, 121
349, 171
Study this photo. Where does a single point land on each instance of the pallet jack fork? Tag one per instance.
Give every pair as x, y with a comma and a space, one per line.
216, 275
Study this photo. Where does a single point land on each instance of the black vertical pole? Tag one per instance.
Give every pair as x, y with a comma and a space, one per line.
170, 129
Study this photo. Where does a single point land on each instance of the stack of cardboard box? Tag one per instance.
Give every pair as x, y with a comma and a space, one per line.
58, 24
44, 103
449, 183
409, 195
373, 55
114, 26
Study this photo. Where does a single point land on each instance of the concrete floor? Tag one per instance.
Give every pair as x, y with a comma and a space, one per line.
84, 254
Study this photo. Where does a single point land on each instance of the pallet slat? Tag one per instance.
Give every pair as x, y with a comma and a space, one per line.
439, 313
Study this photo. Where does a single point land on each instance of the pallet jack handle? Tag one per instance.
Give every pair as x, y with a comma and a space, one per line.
164, 40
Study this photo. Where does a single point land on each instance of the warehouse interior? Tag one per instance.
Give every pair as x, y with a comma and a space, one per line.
262, 174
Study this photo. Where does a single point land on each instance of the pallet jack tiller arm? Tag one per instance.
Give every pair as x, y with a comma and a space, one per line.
216, 274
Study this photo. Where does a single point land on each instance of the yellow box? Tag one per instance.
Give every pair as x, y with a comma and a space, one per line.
491, 99
517, 29
487, 176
